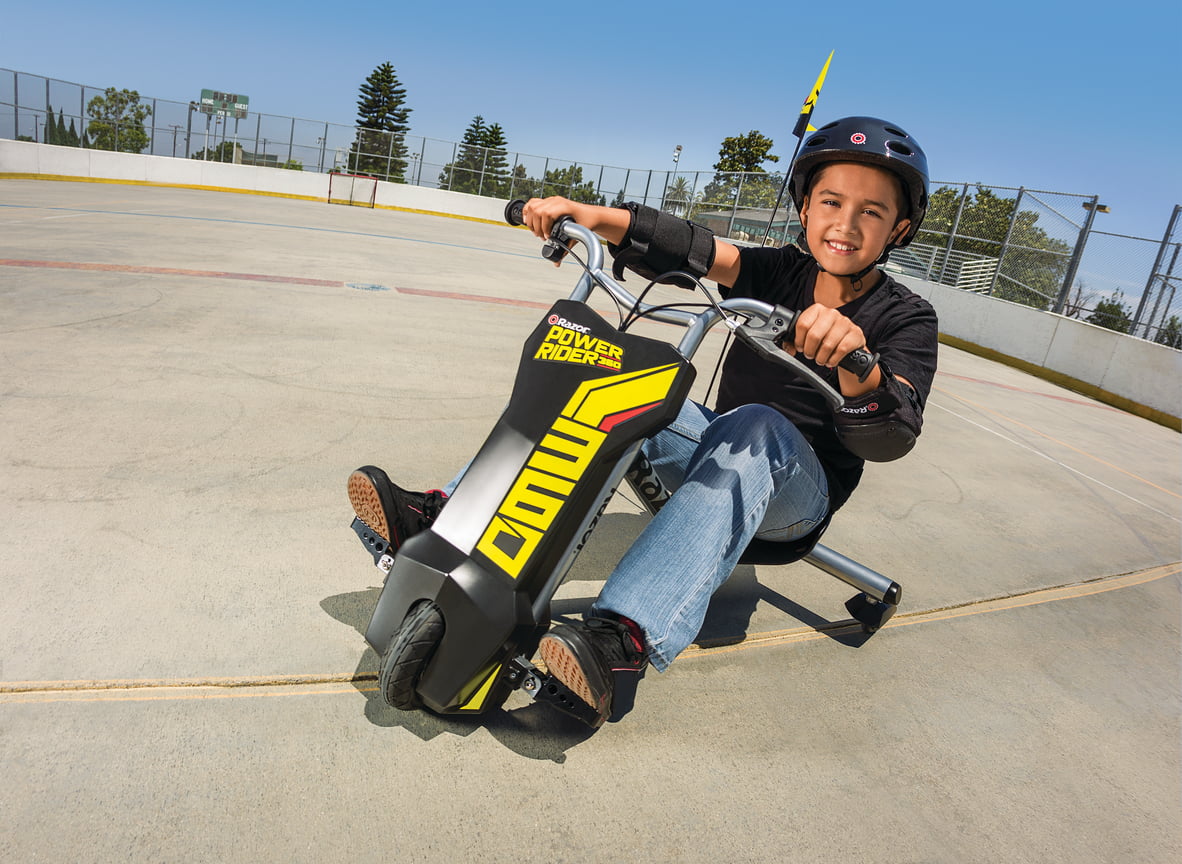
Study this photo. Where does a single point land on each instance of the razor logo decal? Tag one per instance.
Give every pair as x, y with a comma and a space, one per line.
561, 458
567, 342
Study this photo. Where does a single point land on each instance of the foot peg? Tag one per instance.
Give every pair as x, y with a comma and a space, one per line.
551, 691
375, 544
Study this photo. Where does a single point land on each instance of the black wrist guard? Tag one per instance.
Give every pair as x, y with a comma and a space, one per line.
883, 424
658, 244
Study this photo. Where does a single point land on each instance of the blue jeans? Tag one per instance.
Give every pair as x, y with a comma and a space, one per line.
747, 473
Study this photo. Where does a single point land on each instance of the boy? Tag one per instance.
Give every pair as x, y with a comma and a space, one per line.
773, 461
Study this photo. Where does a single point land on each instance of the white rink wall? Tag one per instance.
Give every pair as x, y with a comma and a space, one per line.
1143, 373
1139, 373
24, 158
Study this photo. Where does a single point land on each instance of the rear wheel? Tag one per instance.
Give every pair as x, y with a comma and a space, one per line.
409, 652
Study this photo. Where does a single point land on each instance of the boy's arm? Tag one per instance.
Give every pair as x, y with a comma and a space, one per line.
612, 224
725, 270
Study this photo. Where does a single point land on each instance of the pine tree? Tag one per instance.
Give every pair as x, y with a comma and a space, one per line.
465, 173
61, 135
480, 166
50, 136
382, 123
496, 165
72, 135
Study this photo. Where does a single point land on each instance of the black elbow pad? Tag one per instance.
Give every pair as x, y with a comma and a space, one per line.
882, 425
658, 244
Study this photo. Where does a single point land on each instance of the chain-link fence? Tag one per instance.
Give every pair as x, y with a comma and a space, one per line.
1033, 247
1158, 315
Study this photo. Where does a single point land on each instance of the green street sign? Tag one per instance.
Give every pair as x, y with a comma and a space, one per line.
226, 104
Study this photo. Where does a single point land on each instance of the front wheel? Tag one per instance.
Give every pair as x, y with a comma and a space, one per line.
409, 652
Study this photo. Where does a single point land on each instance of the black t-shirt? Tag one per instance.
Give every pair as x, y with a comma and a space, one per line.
898, 324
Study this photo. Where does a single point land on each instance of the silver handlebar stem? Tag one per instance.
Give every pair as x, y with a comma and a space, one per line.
696, 324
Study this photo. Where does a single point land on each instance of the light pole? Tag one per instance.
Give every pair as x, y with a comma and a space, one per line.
1093, 207
672, 177
189, 127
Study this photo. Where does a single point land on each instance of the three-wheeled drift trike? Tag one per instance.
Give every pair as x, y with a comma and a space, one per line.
466, 601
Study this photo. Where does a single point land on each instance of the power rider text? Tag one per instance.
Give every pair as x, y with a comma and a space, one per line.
568, 342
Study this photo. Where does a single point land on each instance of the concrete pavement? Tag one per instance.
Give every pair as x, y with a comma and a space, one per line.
188, 378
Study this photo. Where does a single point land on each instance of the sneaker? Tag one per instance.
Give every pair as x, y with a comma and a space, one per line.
592, 657
390, 510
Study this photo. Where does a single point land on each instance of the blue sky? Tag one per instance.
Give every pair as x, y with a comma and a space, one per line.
1066, 97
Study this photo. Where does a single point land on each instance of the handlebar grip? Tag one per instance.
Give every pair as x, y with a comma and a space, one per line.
860, 362
514, 212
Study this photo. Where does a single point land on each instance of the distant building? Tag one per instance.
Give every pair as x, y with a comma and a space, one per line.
750, 225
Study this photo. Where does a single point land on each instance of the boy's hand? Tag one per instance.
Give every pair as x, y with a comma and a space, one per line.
540, 214
825, 336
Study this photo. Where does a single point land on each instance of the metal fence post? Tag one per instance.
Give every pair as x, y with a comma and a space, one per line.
964, 196
1001, 255
16, 107
291, 141
1157, 262
1160, 296
1073, 264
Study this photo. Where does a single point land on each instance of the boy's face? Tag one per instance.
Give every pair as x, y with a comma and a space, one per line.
850, 214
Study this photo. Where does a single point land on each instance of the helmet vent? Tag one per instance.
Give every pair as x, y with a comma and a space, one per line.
817, 141
900, 148
828, 126
898, 132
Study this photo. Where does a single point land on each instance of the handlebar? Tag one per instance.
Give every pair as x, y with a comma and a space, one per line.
766, 339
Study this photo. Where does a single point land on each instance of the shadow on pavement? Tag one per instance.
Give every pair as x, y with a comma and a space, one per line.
533, 731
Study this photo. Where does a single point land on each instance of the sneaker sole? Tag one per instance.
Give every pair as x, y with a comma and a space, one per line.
363, 495
562, 663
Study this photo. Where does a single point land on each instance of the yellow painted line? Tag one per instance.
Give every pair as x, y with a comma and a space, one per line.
168, 694
1091, 456
948, 613
72, 179
152, 690
150, 683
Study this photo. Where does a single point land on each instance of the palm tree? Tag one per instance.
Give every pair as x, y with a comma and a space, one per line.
677, 197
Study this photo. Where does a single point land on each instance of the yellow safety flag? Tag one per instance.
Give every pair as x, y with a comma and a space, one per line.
806, 110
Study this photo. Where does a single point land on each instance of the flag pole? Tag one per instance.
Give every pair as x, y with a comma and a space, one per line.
802, 126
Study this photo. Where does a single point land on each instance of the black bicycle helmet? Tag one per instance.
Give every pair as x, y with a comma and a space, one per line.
875, 142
